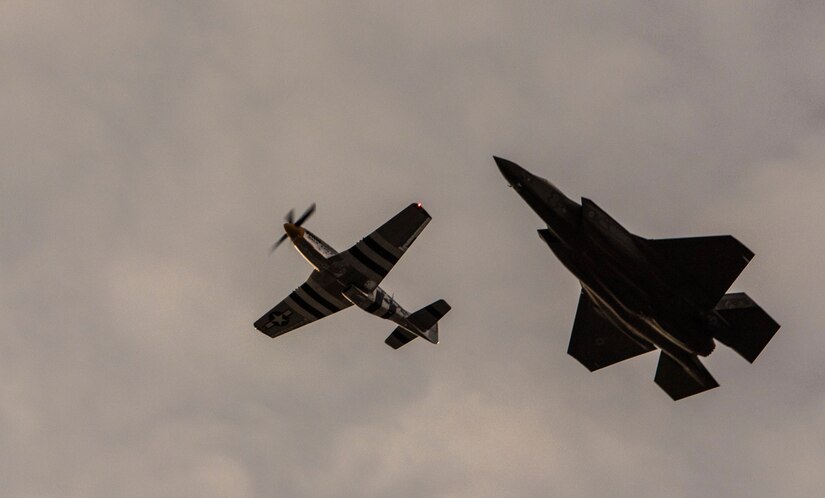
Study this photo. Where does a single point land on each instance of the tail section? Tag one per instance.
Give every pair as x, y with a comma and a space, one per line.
750, 328
399, 337
680, 381
425, 320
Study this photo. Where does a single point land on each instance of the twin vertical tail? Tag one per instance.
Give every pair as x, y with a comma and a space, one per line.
425, 320
748, 331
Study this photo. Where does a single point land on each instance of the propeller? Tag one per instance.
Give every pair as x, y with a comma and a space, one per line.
290, 218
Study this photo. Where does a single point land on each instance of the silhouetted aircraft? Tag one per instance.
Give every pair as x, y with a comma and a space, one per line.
639, 294
340, 280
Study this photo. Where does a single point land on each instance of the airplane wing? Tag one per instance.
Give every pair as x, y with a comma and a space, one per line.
375, 255
596, 342
707, 265
307, 303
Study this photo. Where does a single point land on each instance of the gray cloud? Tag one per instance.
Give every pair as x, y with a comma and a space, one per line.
149, 150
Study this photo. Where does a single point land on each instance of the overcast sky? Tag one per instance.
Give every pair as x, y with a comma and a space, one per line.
150, 149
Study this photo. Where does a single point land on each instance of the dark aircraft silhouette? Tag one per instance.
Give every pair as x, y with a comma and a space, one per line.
639, 294
340, 280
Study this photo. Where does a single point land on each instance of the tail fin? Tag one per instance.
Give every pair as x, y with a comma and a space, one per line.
750, 327
426, 320
679, 382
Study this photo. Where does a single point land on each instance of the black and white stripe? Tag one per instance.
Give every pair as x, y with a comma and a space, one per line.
370, 263
374, 256
434, 310
382, 305
334, 297
391, 249
380, 250
377, 302
312, 297
300, 305
390, 310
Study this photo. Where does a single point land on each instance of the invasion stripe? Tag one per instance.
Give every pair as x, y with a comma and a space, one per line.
333, 297
304, 314
364, 248
390, 312
374, 257
379, 300
379, 250
318, 298
363, 259
303, 304
392, 248
434, 312
311, 302
360, 268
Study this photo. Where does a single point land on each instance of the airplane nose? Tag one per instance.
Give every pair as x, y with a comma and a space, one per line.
512, 172
293, 231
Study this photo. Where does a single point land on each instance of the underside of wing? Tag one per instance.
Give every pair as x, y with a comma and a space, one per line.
374, 256
596, 342
704, 266
315, 299
399, 337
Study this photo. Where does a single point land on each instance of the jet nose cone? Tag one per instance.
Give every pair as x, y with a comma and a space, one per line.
293, 231
511, 171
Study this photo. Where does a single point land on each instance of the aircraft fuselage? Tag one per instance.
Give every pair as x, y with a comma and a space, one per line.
347, 280
618, 271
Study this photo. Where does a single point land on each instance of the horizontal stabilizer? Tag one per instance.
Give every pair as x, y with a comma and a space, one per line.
596, 342
677, 382
426, 319
707, 266
399, 337
750, 327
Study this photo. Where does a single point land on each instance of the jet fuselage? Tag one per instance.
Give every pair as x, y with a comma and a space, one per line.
623, 276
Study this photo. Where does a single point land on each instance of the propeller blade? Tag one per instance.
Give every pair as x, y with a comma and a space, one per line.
276, 244
306, 215
290, 218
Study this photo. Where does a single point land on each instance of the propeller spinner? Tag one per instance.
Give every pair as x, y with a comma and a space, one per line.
291, 221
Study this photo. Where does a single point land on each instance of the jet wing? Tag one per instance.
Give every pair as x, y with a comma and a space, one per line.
705, 265
596, 342
375, 255
307, 303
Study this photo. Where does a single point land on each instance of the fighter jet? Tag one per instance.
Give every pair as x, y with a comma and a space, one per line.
340, 280
639, 294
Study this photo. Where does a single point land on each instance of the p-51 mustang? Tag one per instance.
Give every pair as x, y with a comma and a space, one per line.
340, 280
639, 294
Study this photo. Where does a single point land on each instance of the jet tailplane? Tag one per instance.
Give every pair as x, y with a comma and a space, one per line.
750, 328
680, 381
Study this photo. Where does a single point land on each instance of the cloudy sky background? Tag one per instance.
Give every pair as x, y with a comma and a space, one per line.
149, 150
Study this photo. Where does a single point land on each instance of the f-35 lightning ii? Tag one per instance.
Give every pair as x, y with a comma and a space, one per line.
639, 294
340, 280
